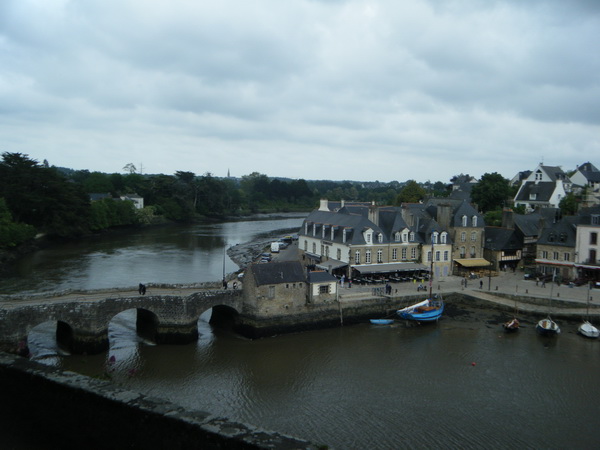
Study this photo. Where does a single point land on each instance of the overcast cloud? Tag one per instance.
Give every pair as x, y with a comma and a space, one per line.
331, 89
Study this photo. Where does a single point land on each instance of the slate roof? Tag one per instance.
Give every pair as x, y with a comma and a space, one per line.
542, 189
555, 173
585, 215
321, 277
590, 172
562, 233
278, 272
497, 238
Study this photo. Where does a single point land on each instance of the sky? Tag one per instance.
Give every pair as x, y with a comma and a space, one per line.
364, 90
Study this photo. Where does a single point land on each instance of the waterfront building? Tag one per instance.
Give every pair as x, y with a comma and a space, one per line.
556, 249
587, 245
545, 187
587, 179
502, 248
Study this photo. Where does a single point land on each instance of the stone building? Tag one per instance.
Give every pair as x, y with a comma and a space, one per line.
276, 288
556, 249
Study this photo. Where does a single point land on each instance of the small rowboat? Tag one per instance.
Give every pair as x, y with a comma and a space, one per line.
382, 321
547, 327
512, 325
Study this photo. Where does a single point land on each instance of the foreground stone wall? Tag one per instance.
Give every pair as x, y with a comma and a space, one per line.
70, 411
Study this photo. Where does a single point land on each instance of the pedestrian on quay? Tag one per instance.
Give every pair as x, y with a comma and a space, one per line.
480, 284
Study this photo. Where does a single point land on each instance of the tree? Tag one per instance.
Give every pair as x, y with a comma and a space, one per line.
412, 192
491, 192
569, 205
12, 233
130, 168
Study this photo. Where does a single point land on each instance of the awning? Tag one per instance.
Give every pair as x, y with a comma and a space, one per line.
331, 264
389, 267
473, 262
313, 256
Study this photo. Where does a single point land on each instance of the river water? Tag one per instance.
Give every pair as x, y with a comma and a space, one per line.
460, 383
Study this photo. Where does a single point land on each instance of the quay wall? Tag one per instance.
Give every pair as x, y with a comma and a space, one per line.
60, 409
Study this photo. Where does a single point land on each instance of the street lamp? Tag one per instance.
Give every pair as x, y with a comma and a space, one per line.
490, 276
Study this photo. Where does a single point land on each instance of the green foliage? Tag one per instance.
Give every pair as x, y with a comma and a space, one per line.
493, 218
12, 233
569, 204
412, 192
491, 192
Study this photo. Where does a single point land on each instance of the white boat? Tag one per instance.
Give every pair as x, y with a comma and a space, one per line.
588, 330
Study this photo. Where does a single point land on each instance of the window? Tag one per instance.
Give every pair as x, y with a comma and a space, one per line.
413, 253
555, 255
473, 254
434, 238
463, 236
474, 236
463, 252
595, 219
405, 236
443, 237
397, 236
332, 233
344, 236
429, 256
314, 229
412, 236
380, 238
357, 257
592, 256
368, 237
567, 257
368, 257
544, 254
379, 256
538, 175
271, 293
404, 254
464, 221
323, 289
395, 254
323, 231
305, 246
474, 221
437, 256
338, 254
533, 196
593, 238
306, 228
446, 255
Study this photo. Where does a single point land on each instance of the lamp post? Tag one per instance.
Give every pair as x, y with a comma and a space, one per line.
490, 276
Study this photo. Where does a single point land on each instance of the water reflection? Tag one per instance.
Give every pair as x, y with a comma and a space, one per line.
175, 254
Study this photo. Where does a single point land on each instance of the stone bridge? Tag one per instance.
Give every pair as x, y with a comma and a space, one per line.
82, 320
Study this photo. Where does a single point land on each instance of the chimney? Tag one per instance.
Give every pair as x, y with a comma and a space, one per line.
374, 214
508, 218
324, 206
444, 212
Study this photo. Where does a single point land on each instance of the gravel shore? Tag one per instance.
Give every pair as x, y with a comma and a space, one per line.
247, 252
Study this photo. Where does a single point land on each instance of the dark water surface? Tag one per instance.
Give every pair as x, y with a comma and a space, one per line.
460, 383
174, 254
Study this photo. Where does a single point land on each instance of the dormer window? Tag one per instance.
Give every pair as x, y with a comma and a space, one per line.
314, 229
474, 221
332, 232
434, 238
344, 235
443, 237
412, 236
405, 236
380, 238
369, 236
306, 228
533, 196
464, 221
397, 236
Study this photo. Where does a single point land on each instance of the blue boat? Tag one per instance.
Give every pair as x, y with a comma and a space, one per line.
382, 321
425, 311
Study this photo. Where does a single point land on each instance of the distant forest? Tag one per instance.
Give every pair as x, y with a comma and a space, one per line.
36, 198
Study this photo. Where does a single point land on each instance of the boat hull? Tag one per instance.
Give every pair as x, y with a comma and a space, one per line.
547, 327
511, 325
588, 330
382, 321
419, 315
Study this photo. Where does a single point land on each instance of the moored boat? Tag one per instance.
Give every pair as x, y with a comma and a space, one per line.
512, 325
382, 321
425, 311
588, 330
547, 327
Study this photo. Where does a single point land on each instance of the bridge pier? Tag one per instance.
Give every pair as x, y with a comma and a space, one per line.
177, 333
81, 342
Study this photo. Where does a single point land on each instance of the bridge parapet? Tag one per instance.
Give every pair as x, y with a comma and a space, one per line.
174, 317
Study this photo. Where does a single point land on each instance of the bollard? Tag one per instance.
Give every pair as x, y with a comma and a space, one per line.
496, 287
527, 291
558, 294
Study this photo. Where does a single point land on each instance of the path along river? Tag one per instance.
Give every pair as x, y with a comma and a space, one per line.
460, 383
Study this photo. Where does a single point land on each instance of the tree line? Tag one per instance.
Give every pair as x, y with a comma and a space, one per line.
36, 198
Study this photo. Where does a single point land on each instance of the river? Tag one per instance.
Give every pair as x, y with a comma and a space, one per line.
460, 383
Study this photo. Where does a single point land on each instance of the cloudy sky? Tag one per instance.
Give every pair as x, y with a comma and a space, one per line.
315, 89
